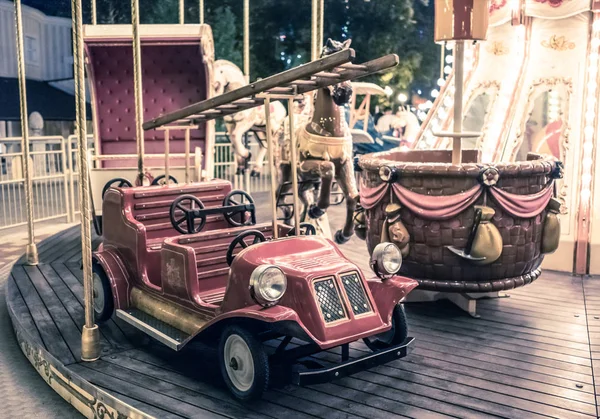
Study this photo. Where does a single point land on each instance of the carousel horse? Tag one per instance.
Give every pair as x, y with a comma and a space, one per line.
408, 123
325, 148
228, 77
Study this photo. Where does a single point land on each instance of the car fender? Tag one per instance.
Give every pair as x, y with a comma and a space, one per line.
389, 292
117, 274
283, 318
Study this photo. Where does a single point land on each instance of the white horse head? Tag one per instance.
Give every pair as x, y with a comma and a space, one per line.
409, 123
227, 76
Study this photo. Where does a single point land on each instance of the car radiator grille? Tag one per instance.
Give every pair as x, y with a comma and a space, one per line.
329, 300
356, 293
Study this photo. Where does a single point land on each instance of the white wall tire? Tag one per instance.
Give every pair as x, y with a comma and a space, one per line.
244, 363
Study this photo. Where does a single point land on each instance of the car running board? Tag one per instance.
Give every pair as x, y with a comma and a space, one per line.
159, 330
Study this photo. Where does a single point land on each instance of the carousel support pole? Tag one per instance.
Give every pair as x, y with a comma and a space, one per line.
313, 31
187, 157
321, 25
201, 8
137, 80
94, 17
459, 58
90, 335
31, 252
167, 178
247, 39
271, 156
442, 59
248, 165
181, 12
294, 164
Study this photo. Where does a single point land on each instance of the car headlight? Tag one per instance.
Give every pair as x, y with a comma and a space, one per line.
267, 284
386, 260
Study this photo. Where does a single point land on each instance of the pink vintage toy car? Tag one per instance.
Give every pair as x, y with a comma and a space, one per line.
185, 262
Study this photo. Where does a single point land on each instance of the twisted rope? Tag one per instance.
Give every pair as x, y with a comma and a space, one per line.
32, 252
84, 177
137, 80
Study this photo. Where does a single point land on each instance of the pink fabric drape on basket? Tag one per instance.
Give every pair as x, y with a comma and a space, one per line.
443, 207
437, 207
523, 206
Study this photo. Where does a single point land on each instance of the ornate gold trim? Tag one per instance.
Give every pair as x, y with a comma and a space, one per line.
558, 43
497, 48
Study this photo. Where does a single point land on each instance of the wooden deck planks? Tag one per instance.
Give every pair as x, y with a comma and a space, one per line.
535, 354
49, 332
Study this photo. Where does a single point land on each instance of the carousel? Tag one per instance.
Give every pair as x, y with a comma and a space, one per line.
483, 209
195, 300
522, 95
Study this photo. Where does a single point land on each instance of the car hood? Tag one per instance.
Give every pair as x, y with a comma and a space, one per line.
304, 256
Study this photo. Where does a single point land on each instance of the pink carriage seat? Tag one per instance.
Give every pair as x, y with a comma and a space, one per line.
174, 75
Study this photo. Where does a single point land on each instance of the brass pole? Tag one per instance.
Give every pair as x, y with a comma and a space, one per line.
459, 58
442, 59
187, 156
137, 80
182, 11
90, 335
271, 156
167, 178
201, 7
294, 164
247, 39
94, 17
314, 49
31, 252
321, 15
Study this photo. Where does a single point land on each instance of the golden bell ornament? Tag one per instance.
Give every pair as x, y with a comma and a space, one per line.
399, 235
551, 229
488, 240
392, 210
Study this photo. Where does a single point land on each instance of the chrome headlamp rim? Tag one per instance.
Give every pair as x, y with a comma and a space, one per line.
377, 263
255, 286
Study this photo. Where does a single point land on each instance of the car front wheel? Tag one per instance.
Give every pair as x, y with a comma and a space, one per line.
244, 363
395, 336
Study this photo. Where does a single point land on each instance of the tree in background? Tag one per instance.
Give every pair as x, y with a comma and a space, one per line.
227, 45
280, 31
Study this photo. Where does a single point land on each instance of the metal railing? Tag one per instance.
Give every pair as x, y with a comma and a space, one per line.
49, 176
225, 166
55, 177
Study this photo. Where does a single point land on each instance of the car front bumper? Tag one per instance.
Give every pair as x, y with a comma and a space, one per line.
373, 359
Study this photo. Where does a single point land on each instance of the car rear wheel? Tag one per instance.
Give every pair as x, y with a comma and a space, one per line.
395, 336
244, 363
103, 299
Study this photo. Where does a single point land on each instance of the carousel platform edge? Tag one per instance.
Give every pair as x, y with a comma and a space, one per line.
90, 400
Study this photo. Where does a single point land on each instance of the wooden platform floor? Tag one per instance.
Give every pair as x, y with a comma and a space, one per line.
532, 355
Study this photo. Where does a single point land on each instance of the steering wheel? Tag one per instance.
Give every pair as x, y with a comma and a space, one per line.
160, 180
240, 241
186, 224
306, 229
239, 216
119, 182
